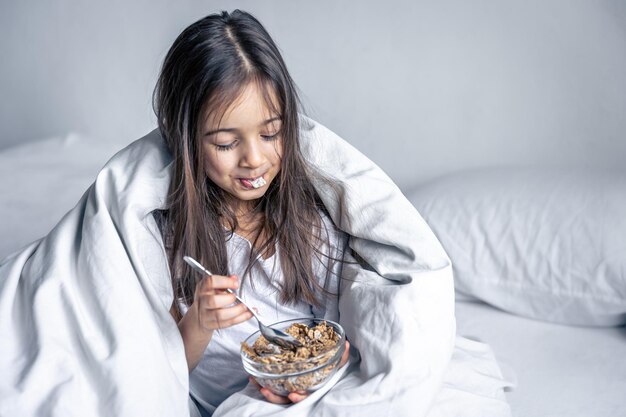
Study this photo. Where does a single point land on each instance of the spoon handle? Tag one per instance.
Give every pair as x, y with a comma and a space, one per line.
196, 265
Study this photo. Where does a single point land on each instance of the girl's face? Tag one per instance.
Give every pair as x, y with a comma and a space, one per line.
244, 146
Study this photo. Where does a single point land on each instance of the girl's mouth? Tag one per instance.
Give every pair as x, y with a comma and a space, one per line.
253, 183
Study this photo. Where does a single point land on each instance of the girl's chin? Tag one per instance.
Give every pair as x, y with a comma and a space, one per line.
246, 194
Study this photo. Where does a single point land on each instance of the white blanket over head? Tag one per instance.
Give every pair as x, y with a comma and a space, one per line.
85, 327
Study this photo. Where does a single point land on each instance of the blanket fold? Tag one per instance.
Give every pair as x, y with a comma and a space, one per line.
86, 329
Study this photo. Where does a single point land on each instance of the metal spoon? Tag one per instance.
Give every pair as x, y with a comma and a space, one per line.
274, 336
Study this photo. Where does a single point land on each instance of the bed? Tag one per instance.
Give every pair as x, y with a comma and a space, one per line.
552, 312
559, 370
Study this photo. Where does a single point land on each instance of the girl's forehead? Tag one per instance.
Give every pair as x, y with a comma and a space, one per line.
253, 106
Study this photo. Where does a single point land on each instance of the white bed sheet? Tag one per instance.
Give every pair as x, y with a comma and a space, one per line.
560, 370
42, 180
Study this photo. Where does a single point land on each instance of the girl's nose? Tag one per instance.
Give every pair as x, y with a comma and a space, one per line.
252, 156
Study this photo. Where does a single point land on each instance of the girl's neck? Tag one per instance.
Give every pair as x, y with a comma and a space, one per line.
245, 212
250, 224
250, 227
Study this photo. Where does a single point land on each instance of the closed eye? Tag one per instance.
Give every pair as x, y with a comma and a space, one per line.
224, 147
270, 138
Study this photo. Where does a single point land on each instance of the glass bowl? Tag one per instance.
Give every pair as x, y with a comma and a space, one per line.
296, 374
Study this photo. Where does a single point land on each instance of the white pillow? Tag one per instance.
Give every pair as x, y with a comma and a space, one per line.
545, 244
40, 181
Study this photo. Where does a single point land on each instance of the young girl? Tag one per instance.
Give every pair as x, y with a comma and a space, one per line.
86, 312
241, 200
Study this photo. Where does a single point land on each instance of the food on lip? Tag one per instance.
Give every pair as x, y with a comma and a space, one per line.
259, 182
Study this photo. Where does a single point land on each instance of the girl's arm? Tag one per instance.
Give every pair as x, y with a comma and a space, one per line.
211, 309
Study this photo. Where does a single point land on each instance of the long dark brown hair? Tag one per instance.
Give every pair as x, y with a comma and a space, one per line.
205, 70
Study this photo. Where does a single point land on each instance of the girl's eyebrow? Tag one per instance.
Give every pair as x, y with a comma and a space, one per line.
234, 129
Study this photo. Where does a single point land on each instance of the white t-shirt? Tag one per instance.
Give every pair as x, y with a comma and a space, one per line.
220, 372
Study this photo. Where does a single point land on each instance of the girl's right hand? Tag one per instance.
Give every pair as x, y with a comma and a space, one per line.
212, 308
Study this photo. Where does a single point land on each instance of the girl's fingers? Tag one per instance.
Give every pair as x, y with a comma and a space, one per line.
217, 324
293, 397
217, 282
269, 395
296, 397
214, 301
273, 398
227, 317
239, 319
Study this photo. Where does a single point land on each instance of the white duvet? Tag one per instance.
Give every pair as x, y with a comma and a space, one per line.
85, 328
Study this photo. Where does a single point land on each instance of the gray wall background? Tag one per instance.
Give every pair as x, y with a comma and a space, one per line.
421, 87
